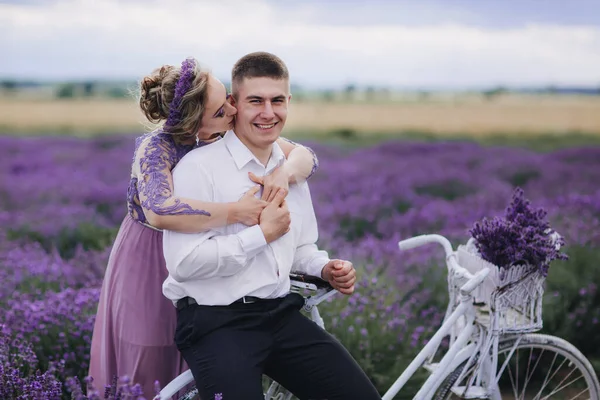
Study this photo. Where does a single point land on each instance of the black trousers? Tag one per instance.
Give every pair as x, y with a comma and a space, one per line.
229, 348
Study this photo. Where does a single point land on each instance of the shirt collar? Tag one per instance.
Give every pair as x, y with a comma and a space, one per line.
242, 155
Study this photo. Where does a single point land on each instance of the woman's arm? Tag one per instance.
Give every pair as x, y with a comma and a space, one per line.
301, 161
165, 211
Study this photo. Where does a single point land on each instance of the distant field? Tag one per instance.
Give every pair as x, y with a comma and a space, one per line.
473, 116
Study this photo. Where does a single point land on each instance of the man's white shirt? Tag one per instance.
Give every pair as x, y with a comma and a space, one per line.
221, 265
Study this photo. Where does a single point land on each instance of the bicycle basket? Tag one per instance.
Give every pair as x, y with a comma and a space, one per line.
512, 297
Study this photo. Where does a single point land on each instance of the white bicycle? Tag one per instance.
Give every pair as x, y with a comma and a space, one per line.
492, 352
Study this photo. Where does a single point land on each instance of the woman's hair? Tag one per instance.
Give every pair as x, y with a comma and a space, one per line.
157, 92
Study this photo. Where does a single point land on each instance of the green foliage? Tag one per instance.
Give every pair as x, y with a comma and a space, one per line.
66, 91
383, 345
328, 96
37, 285
9, 85
89, 88
354, 228
86, 234
117, 93
350, 91
491, 94
450, 190
60, 342
344, 133
522, 177
572, 301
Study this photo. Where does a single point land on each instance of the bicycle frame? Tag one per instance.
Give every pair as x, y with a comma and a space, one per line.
473, 346
429, 350
459, 351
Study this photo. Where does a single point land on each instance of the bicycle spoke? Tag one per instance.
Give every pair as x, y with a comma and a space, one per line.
547, 379
580, 393
537, 397
555, 372
528, 378
558, 389
515, 390
517, 373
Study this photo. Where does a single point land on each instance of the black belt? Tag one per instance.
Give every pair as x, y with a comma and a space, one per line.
188, 301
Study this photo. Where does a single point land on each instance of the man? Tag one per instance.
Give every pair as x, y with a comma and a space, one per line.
236, 316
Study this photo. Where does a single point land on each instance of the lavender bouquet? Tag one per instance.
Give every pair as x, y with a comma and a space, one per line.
521, 237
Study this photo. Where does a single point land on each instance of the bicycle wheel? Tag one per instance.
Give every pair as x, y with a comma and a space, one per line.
185, 389
189, 393
275, 391
541, 367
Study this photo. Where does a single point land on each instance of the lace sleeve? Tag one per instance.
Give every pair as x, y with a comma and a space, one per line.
155, 158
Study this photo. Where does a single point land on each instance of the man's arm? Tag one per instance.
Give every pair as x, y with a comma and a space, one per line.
308, 258
203, 255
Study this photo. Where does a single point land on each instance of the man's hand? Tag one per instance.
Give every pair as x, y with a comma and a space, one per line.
277, 180
275, 219
341, 275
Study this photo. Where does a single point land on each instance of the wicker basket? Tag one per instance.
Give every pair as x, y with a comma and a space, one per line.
511, 298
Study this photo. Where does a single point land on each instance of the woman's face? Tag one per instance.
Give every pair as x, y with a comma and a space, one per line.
218, 114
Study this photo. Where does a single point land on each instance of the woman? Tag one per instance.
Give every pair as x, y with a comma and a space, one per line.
134, 328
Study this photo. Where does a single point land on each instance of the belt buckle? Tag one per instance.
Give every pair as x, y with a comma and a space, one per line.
247, 301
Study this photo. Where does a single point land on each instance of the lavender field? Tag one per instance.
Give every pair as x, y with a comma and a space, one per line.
62, 200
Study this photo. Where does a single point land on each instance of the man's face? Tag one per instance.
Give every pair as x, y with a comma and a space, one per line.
262, 107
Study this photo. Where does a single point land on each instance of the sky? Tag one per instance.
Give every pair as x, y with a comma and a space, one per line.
406, 44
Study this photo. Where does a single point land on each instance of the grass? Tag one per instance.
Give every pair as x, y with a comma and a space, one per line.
536, 122
539, 141
473, 116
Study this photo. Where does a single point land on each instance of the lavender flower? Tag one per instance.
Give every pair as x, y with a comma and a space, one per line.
48, 296
19, 376
183, 85
522, 236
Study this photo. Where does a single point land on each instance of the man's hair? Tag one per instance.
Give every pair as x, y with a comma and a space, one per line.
259, 65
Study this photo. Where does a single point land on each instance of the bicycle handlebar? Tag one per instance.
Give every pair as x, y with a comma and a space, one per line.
472, 280
422, 240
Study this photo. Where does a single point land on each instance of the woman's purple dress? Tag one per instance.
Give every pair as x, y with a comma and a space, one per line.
135, 323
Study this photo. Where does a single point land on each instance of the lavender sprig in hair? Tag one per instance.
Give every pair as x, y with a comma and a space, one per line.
184, 84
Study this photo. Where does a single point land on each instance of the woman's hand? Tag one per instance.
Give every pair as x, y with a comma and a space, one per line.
277, 180
248, 208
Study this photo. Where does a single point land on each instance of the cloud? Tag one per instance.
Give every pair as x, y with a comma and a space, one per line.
69, 38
